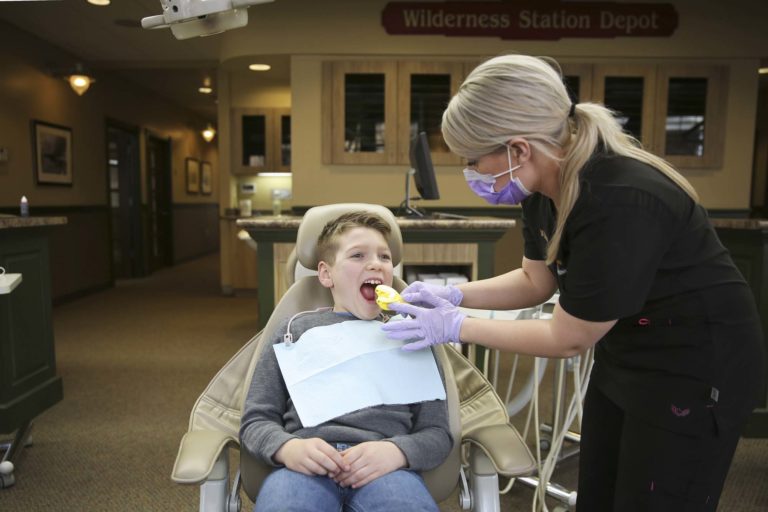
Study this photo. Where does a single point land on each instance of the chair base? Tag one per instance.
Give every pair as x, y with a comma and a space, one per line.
12, 452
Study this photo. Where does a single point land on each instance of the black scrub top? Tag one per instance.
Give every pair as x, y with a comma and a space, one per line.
687, 348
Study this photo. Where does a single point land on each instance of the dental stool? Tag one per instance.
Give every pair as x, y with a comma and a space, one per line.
483, 436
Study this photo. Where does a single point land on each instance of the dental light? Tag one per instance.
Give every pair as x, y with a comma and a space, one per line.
192, 18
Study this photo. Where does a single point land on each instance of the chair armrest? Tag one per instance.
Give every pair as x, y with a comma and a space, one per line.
504, 447
197, 455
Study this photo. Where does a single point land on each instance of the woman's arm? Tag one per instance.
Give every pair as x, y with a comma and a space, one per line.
562, 336
524, 287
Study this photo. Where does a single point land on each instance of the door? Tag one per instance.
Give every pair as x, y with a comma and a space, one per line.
124, 200
159, 200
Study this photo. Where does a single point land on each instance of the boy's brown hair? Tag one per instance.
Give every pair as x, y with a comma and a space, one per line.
327, 242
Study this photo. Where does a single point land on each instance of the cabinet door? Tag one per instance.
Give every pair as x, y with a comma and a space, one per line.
252, 132
282, 139
629, 91
690, 115
363, 112
578, 80
424, 90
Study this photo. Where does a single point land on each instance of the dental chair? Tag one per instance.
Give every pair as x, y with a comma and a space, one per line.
484, 439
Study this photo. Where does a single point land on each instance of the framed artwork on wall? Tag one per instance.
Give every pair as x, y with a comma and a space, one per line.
206, 178
53, 153
192, 166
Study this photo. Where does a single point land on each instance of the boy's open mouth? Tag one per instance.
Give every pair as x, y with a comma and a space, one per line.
368, 289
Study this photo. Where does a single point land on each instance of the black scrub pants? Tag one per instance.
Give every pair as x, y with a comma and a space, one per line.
629, 465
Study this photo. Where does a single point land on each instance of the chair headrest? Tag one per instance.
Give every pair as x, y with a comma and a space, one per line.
317, 217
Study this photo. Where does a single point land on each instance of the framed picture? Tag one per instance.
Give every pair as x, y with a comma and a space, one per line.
53, 153
193, 175
206, 178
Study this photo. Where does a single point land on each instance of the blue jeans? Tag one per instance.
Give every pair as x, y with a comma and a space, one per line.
286, 490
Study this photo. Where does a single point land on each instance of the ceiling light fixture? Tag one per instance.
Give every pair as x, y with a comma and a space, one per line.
80, 83
209, 133
259, 67
100, 3
206, 87
79, 80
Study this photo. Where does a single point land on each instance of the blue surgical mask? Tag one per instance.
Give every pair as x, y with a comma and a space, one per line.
482, 185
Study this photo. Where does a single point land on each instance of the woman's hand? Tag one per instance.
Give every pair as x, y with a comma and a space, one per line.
440, 324
368, 461
413, 293
311, 457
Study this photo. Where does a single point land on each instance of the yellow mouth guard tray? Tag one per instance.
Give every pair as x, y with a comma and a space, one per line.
386, 295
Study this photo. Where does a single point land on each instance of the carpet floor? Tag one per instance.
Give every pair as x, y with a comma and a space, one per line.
133, 360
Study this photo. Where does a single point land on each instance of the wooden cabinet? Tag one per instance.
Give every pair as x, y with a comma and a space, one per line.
372, 109
423, 92
628, 89
689, 124
28, 381
282, 139
578, 81
676, 111
260, 140
361, 127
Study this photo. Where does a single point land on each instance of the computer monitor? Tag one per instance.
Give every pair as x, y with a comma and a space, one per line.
421, 163
423, 173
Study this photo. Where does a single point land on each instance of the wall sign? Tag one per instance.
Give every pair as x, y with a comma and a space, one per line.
530, 19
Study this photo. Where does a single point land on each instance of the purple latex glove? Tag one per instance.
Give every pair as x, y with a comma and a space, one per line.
413, 293
439, 324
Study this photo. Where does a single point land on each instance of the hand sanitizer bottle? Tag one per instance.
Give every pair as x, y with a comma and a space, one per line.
24, 206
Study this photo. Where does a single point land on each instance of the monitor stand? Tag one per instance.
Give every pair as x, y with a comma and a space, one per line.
412, 212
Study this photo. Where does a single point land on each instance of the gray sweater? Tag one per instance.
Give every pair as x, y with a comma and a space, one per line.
269, 418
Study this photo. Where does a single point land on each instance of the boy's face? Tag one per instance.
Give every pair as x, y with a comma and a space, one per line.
363, 261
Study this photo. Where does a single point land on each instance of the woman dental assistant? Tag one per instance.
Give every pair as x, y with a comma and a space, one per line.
641, 274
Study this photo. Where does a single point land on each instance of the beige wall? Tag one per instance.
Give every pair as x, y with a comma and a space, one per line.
352, 29
27, 92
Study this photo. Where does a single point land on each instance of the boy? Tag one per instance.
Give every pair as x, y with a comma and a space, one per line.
363, 460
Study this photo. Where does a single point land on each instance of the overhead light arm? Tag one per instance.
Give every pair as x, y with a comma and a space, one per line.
193, 18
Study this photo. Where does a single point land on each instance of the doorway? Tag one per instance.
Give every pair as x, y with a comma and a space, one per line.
159, 199
760, 160
124, 192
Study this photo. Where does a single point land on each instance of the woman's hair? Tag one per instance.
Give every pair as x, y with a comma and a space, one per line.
327, 242
523, 96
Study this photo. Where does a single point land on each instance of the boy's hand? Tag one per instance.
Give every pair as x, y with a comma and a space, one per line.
368, 461
311, 457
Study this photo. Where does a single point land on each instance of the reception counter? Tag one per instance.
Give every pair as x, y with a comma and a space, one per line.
28, 381
747, 241
467, 245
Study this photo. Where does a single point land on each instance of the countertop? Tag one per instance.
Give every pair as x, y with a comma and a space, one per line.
30, 222
726, 223
293, 221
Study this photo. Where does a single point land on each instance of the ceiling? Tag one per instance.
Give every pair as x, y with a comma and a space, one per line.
111, 39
